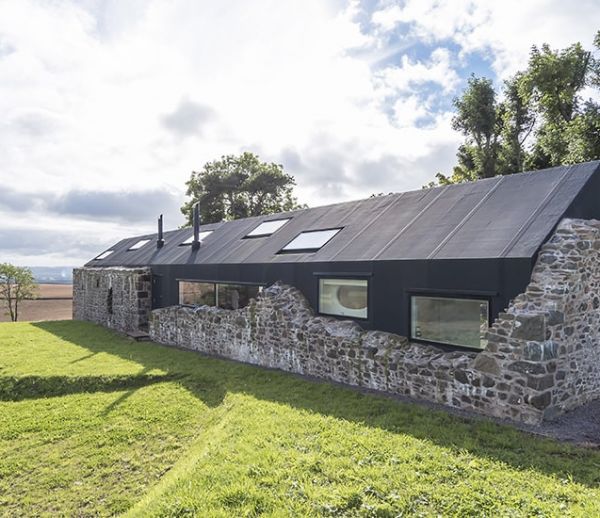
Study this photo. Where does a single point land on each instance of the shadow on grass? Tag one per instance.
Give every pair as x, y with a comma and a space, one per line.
83, 358
210, 379
35, 387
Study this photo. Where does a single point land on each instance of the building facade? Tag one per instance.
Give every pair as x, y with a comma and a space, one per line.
444, 267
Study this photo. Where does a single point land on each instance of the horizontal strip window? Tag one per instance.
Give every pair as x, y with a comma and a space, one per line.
465, 293
222, 295
335, 275
197, 293
344, 297
461, 322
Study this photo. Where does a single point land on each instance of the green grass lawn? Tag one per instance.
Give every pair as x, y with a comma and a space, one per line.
94, 424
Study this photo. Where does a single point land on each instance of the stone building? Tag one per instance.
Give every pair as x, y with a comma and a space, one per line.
483, 296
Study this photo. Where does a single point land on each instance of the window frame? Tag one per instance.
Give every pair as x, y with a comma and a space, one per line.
267, 234
313, 249
135, 247
446, 295
261, 285
107, 252
190, 240
199, 282
342, 276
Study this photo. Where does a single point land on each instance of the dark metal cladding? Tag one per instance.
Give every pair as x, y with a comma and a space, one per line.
508, 216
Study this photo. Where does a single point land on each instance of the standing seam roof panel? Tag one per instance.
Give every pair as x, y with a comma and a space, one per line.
490, 218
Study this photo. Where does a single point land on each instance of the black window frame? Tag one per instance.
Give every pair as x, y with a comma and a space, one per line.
257, 236
183, 243
214, 283
486, 297
99, 258
131, 249
313, 249
356, 276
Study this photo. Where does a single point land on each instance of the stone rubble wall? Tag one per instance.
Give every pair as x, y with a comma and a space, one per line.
552, 330
279, 330
131, 297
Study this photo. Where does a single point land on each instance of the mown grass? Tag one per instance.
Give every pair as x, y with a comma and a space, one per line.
94, 424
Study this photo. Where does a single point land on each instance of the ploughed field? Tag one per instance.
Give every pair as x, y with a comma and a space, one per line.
53, 302
94, 424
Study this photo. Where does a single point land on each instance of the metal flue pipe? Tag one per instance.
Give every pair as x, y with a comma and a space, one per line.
160, 242
196, 216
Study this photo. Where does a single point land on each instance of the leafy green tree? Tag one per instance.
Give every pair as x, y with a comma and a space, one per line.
479, 118
541, 120
554, 81
237, 187
518, 122
16, 284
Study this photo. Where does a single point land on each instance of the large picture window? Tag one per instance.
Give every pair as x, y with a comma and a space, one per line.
236, 296
344, 297
223, 295
196, 293
452, 321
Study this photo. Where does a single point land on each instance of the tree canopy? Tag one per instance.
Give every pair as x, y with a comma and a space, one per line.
237, 187
16, 284
539, 118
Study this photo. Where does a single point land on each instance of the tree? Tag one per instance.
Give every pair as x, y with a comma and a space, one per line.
553, 81
237, 187
518, 121
479, 118
540, 121
16, 284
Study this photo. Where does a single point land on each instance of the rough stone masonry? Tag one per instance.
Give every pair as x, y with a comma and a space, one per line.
119, 298
542, 356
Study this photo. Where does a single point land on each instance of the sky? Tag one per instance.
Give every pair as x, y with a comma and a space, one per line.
107, 106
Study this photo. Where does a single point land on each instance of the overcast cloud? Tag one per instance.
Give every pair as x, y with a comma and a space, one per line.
107, 106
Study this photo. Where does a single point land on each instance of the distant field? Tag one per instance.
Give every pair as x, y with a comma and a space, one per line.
54, 302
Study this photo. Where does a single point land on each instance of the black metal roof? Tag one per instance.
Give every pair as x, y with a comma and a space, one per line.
505, 216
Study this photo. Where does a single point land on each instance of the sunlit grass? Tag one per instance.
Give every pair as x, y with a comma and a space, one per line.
94, 424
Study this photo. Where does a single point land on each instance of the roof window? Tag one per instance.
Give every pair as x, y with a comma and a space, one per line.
139, 244
201, 237
310, 241
104, 255
266, 228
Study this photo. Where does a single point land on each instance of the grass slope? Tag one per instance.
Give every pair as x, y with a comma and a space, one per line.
94, 424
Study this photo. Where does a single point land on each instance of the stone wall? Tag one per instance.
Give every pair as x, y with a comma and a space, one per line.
119, 298
542, 358
553, 328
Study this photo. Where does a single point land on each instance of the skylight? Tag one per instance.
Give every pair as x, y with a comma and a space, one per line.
310, 241
201, 237
139, 244
266, 228
104, 255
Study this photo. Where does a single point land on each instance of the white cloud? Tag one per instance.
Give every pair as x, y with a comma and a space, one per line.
116, 96
409, 110
410, 75
505, 31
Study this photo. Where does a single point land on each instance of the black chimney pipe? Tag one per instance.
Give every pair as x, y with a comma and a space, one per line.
196, 241
160, 242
